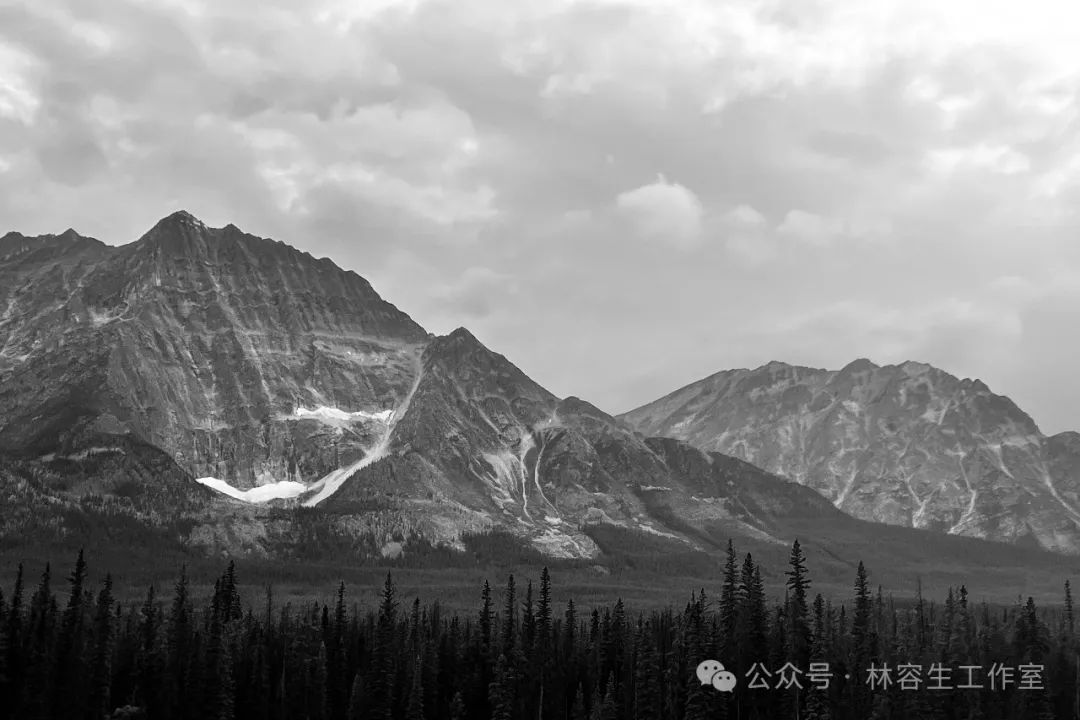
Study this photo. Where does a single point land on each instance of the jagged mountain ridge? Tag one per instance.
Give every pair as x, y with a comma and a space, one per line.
903, 444
252, 365
204, 341
127, 373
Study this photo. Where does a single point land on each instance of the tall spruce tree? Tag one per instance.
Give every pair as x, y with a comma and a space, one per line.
180, 643
729, 603
385, 654
69, 651
37, 689
487, 614
751, 630
614, 650
862, 643
100, 670
528, 620
508, 642
1070, 628
797, 610
570, 629
543, 663
543, 604
920, 619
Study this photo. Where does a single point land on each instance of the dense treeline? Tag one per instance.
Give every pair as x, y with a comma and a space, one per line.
78, 654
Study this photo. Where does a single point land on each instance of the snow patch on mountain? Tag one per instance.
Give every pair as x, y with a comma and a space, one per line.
84, 454
332, 482
337, 417
283, 490
653, 531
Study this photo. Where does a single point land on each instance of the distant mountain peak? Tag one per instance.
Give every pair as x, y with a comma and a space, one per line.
459, 354
72, 237
68, 235
458, 343
776, 367
179, 233
906, 444
975, 383
182, 216
17, 247
859, 365
461, 334
914, 367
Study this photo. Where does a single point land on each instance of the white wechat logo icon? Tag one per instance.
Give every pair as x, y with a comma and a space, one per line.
712, 672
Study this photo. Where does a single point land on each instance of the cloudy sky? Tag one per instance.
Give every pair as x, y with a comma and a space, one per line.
622, 196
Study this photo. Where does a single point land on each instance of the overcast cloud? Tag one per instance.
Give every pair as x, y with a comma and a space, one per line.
620, 196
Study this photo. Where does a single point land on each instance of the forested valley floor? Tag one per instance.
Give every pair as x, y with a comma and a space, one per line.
71, 651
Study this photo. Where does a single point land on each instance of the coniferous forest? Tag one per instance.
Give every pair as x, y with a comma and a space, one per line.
70, 651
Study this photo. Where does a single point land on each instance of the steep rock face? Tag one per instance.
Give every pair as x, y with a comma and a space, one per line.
208, 343
905, 445
481, 445
1063, 460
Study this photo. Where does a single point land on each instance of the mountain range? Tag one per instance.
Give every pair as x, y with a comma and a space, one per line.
228, 393
903, 444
